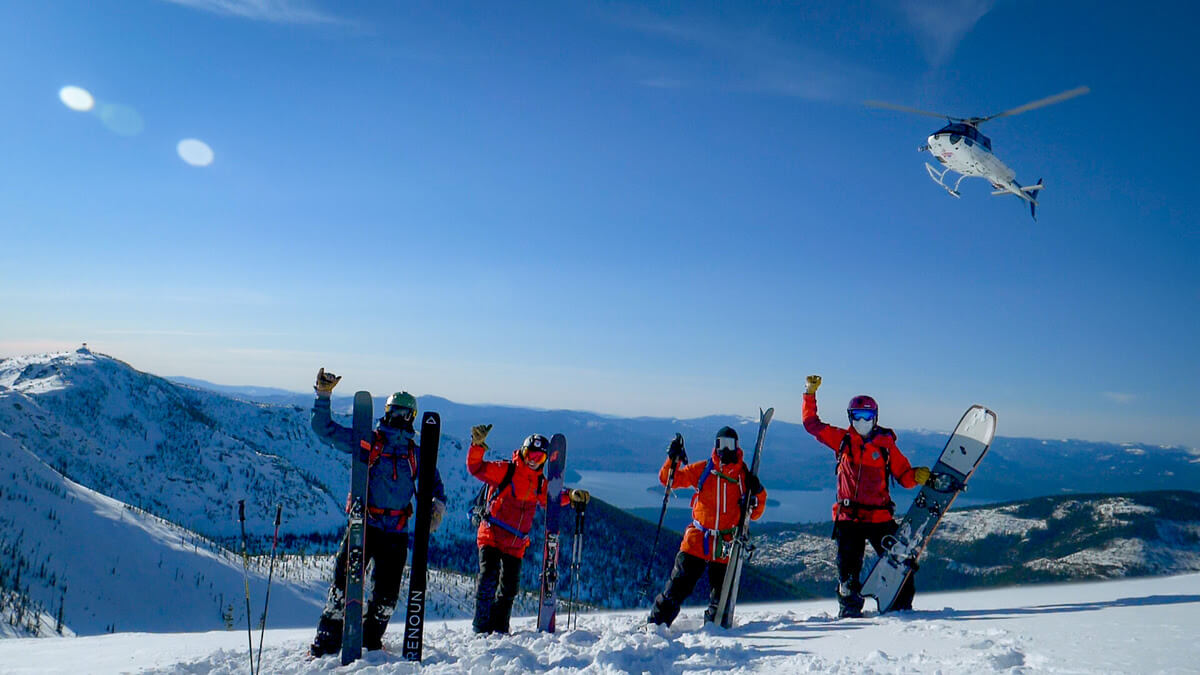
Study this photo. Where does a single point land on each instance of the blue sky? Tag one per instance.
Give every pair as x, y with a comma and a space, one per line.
674, 209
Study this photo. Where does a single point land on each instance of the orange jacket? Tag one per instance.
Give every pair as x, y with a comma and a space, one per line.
862, 481
716, 507
512, 511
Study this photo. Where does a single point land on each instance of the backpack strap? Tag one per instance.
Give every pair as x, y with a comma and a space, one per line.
505, 482
708, 469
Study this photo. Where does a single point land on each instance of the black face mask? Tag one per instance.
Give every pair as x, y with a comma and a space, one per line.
397, 422
727, 456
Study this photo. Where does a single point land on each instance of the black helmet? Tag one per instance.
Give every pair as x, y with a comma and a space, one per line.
727, 432
536, 442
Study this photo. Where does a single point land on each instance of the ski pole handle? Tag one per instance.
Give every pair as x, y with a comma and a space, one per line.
242, 510
278, 514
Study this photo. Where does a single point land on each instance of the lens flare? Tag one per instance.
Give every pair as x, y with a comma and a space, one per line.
76, 98
195, 152
121, 119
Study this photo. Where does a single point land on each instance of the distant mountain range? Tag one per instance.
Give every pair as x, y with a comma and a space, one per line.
1016, 468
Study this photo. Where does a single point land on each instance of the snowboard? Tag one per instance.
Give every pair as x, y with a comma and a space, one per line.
414, 623
556, 462
356, 529
948, 477
742, 549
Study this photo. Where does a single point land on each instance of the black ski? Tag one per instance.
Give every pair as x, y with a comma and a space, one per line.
555, 465
742, 548
414, 623
356, 530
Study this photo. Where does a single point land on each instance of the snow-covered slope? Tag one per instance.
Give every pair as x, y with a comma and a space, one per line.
115, 568
1143, 625
185, 454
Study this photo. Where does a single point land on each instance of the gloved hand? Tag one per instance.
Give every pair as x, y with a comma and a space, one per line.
580, 497
436, 515
326, 382
812, 383
921, 474
675, 451
479, 434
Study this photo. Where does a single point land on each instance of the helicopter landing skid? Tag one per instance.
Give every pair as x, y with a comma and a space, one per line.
937, 177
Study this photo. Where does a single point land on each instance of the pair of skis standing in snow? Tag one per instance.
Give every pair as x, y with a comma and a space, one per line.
389, 469
867, 461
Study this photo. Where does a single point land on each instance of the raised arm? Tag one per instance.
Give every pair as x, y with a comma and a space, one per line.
830, 435
491, 473
332, 433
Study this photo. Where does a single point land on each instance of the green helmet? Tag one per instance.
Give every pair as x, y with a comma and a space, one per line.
402, 400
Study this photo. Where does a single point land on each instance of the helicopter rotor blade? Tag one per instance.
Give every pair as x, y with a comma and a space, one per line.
1049, 100
901, 108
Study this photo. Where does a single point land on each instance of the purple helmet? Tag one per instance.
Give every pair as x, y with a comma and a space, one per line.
860, 404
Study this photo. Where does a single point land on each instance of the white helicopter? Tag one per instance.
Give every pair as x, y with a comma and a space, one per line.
962, 149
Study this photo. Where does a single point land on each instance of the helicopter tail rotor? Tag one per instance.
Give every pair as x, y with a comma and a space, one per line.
1032, 191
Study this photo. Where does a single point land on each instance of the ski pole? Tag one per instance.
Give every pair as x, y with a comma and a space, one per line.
270, 574
576, 564
246, 579
661, 515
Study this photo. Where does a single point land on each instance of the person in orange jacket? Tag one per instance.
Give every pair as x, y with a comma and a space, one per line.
720, 482
516, 488
867, 458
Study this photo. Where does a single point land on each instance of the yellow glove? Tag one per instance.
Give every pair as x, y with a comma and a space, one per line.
921, 474
326, 382
580, 496
479, 434
812, 383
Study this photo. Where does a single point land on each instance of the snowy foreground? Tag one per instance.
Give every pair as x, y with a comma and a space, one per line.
1139, 625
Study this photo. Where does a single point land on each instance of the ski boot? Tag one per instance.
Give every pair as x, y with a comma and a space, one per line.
328, 640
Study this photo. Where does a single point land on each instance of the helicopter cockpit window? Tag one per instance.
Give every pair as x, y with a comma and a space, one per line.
955, 138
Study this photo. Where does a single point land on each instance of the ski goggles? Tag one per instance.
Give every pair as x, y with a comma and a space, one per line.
400, 412
726, 443
533, 457
863, 415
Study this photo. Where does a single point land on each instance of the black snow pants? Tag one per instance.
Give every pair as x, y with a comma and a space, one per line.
499, 581
852, 538
388, 550
684, 575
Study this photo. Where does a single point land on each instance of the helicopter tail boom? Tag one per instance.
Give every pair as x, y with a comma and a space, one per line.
1026, 192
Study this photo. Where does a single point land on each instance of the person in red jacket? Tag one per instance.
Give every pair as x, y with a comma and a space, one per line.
867, 458
516, 489
720, 481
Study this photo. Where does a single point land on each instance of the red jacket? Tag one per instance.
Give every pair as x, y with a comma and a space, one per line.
862, 481
512, 511
716, 507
